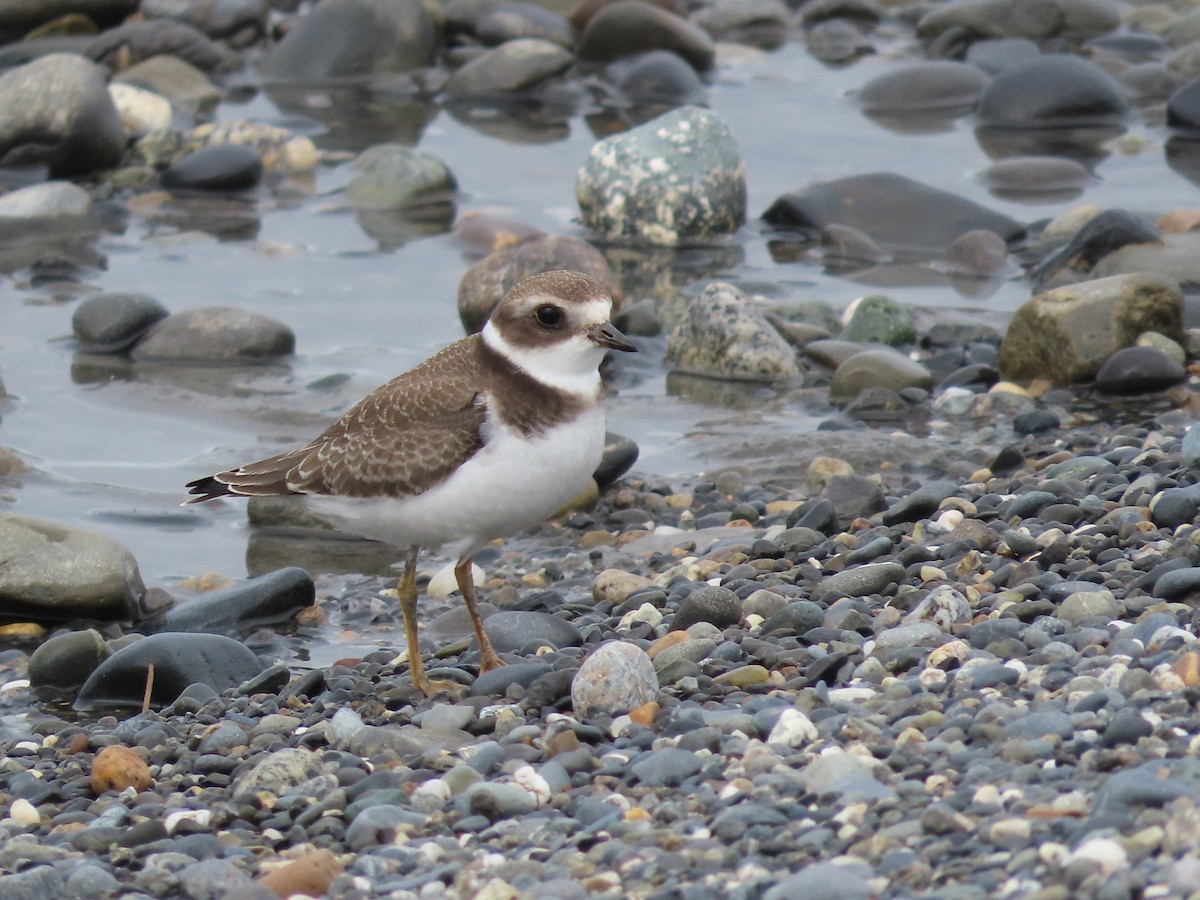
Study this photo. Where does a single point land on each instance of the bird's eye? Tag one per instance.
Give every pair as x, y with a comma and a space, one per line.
548, 316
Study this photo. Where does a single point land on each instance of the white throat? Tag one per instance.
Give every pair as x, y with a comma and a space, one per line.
571, 365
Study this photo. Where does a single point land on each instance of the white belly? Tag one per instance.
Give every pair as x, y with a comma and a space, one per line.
511, 484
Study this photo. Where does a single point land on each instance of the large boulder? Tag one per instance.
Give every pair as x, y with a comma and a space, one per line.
57, 111
1066, 334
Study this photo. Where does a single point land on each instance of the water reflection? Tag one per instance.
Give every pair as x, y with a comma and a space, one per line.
359, 116
393, 228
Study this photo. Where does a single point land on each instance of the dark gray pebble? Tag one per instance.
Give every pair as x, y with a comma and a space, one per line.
269, 599
716, 605
220, 167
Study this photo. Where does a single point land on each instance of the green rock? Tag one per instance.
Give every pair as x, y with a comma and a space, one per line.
881, 320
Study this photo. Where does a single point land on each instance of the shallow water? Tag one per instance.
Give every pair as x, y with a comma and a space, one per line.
112, 450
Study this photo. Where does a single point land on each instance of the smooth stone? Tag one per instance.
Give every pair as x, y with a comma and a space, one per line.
616, 678
1067, 333
668, 767
1138, 370
1177, 584
216, 333
38, 883
179, 659
722, 335
798, 617
186, 87
486, 282
657, 77
995, 55
221, 167
55, 571
1039, 724
853, 496
718, 606
66, 660
1096, 240
620, 453
141, 111
212, 879
1174, 507
133, 42
498, 681
679, 178
379, 826
825, 881
764, 603
744, 20
1053, 89
1126, 726
270, 599
108, 323
510, 630
391, 176
629, 27
497, 800
878, 368
511, 21
1087, 604
51, 200
688, 651
881, 320
276, 771
934, 86
241, 19
57, 111
922, 502
1021, 176
896, 212
1183, 106
515, 66
348, 38
862, 581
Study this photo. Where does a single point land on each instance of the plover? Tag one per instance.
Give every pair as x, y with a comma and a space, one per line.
492, 435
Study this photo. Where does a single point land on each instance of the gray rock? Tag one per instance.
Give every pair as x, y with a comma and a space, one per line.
497, 800
853, 496
135, 42
391, 176
797, 617
614, 679
722, 335
935, 86
858, 582
657, 77
1067, 333
36, 883
875, 369
668, 767
513, 629
268, 599
1086, 604
179, 659
54, 571
52, 200
216, 333
241, 19
212, 879
1138, 370
718, 606
895, 211
486, 282
377, 825
627, 28
1039, 724
277, 771
760, 21
688, 651
1053, 89
825, 881
678, 178
187, 87
221, 167
510, 21
347, 38
66, 660
108, 323
515, 66
57, 111
881, 320
24, 15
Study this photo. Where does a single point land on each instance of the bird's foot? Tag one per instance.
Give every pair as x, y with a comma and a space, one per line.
489, 661
432, 687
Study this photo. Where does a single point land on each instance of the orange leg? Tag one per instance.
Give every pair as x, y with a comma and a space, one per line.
407, 589
488, 658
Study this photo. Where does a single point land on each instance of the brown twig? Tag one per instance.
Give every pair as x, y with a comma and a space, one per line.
149, 687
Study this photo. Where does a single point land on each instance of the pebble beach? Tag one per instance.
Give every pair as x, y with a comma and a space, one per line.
887, 584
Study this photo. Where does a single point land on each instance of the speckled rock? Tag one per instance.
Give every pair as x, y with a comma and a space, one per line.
676, 179
722, 335
614, 679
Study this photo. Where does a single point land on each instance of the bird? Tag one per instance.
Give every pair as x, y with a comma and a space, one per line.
492, 435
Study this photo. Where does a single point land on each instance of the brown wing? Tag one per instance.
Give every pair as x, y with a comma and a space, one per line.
399, 440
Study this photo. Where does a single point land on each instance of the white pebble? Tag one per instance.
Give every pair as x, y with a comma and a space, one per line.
24, 812
794, 729
529, 779
443, 584
1108, 853
432, 794
201, 817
